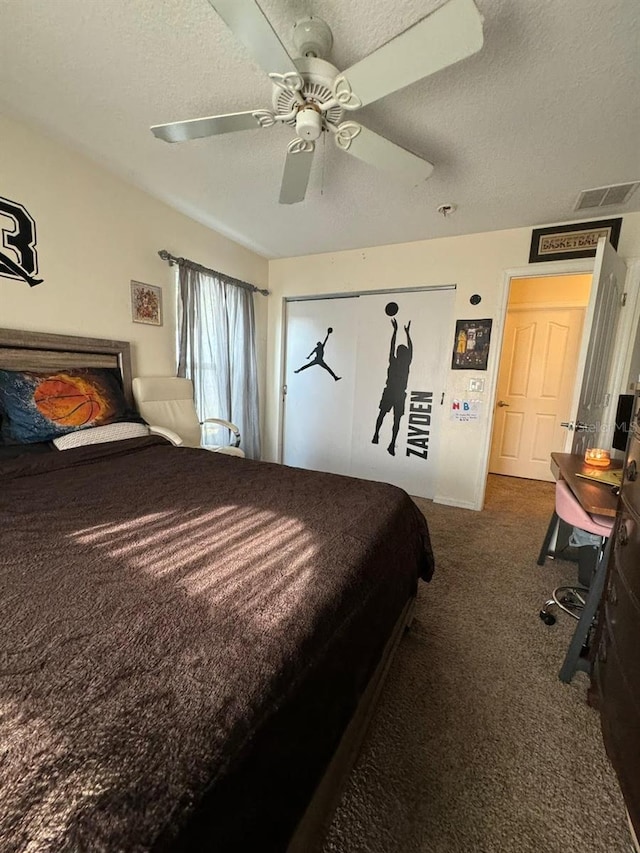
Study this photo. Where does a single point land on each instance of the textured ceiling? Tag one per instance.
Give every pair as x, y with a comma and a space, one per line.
550, 106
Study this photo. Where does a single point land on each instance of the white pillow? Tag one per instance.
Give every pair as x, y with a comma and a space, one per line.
100, 434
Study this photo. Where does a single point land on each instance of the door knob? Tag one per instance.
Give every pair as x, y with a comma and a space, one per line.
502, 403
567, 424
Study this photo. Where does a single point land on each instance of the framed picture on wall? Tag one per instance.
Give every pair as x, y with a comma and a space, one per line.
146, 303
569, 242
471, 345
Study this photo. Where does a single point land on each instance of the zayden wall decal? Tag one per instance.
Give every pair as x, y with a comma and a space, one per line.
318, 351
394, 394
18, 254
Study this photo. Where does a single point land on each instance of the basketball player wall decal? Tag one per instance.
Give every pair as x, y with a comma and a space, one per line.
394, 394
18, 254
318, 352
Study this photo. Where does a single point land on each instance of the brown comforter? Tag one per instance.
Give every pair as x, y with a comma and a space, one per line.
183, 637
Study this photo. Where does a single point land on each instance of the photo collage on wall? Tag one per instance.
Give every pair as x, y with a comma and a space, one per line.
471, 345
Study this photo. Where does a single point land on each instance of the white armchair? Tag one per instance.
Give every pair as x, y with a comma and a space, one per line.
166, 404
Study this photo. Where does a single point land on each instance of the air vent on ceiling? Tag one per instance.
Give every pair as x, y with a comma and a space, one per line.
611, 196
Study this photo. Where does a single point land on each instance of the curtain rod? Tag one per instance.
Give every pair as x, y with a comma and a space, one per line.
172, 260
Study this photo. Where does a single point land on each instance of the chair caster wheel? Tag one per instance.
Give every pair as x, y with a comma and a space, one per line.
547, 618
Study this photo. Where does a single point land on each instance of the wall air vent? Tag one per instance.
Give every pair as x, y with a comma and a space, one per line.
612, 196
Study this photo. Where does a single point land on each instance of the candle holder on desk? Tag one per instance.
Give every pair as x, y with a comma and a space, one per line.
596, 457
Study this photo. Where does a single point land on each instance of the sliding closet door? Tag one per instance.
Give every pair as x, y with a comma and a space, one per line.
318, 409
404, 350
365, 378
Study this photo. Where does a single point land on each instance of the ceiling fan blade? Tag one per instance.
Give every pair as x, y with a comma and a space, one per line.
183, 131
249, 24
451, 33
297, 168
377, 151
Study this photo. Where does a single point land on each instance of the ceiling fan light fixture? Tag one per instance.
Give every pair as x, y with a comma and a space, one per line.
309, 124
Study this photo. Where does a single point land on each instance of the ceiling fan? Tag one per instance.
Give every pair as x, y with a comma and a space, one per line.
312, 96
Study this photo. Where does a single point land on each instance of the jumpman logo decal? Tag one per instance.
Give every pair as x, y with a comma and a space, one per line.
318, 352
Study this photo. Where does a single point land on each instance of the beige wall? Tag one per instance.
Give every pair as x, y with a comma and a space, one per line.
476, 264
95, 233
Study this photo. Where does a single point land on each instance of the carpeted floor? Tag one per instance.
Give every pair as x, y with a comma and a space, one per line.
476, 746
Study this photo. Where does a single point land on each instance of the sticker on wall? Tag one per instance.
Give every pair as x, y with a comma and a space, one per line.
465, 411
318, 352
471, 345
18, 253
394, 393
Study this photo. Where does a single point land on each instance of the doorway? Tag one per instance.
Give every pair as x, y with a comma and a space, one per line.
537, 372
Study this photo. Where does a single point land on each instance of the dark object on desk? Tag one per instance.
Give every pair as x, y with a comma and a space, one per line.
623, 422
617, 664
604, 476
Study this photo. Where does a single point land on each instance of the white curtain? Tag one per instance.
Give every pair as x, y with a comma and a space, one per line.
216, 350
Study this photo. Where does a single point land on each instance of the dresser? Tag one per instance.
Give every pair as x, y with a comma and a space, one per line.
617, 664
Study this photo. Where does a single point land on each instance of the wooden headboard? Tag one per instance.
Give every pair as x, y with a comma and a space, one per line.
40, 351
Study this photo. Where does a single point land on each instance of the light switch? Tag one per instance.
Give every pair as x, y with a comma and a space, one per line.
476, 385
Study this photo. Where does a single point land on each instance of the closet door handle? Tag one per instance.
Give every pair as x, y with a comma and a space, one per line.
602, 646
623, 534
602, 651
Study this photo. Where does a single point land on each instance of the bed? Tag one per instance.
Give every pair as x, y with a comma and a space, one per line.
191, 643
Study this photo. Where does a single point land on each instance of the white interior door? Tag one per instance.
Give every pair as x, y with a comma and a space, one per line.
321, 339
365, 379
401, 374
535, 384
593, 401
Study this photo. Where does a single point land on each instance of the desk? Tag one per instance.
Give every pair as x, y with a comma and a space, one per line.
594, 498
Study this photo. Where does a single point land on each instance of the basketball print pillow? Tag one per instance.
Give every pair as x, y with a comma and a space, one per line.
43, 406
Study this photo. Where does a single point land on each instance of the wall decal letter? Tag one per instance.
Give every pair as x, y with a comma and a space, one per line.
18, 255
